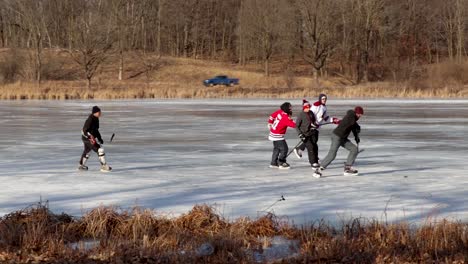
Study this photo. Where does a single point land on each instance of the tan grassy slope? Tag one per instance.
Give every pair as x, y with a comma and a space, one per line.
182, 78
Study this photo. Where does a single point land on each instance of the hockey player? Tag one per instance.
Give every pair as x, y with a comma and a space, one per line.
278, 123
319, 109
91, 137
306, 127
340, 138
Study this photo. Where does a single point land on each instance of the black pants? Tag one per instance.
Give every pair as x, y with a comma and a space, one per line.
87, 148
312, 147
280, 151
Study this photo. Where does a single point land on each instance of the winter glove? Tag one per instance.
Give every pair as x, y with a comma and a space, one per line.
92, 140
336, 121
358, 140
302, 137
358, 128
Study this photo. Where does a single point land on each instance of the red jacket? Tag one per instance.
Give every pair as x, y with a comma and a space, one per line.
279, 121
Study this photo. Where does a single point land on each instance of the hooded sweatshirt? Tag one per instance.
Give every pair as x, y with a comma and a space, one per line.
305, 123
320, 112
347, 125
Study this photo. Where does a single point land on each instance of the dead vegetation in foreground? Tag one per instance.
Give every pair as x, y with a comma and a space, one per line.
36, 235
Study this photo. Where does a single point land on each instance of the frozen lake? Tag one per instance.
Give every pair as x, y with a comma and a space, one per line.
170, 155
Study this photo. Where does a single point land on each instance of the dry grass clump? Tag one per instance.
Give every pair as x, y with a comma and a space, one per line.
201, 219
36, 235
38, 223
374, 242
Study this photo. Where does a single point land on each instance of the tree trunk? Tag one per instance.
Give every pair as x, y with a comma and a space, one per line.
213, 54
316, 75
177, 40
186, 33
38, 58
144, 37
121, 65
223, 38
365, 68
460, 30
159, 29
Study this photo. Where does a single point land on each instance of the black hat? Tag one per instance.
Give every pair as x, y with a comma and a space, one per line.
96, 109
286, 107
321, 96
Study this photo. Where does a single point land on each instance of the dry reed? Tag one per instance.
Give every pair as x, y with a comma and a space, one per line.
182, 78
36, 235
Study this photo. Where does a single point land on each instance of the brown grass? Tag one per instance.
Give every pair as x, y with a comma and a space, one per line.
36, 235
182, 78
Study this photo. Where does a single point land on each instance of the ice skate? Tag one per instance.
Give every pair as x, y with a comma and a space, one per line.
102, 159
284, 166
317, 174
350, 171
105, 168
83, 168
83, 161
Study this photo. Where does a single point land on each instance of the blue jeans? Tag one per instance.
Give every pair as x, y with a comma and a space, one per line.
280, 151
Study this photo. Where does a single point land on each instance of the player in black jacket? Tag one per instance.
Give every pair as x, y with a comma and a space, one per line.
92, 140
340, 139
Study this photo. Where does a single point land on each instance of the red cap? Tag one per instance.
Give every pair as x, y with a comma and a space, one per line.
359, 110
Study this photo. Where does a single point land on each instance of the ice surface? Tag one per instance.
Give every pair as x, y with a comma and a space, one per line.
169, 155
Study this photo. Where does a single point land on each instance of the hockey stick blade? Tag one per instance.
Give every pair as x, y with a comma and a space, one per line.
298, 144
112, 137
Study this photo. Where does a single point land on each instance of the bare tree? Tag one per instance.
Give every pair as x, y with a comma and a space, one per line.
32, 22
367, 18
359, 40
264, 26
92, 38
455, 21
318, 25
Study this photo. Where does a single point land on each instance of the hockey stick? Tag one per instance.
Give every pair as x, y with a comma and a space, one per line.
112, 137
328, 123
359, 150
298, 144
280, 200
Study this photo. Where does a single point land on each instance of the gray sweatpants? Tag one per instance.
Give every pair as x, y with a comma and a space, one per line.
336, 143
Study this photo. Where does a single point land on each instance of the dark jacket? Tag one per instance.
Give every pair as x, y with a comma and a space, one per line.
347, 125
92, 126
305, 123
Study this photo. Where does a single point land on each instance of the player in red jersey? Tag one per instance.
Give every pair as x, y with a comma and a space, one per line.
278, 123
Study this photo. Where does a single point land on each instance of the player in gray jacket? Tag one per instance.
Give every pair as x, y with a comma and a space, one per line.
306, 127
